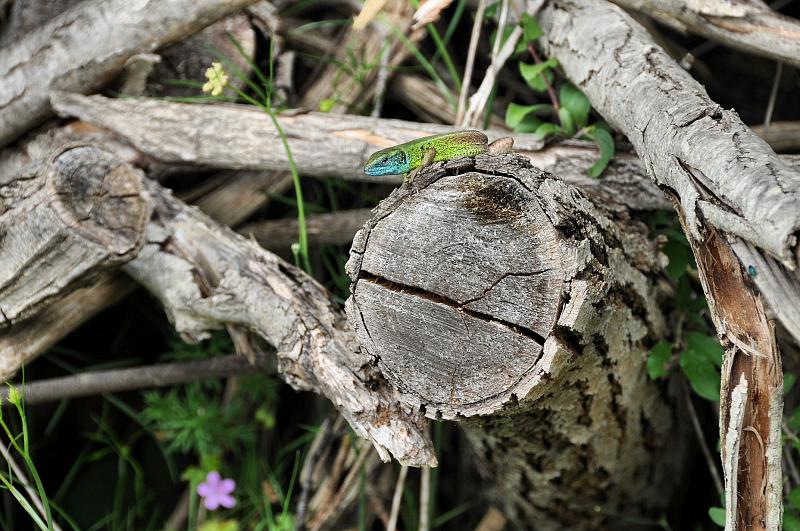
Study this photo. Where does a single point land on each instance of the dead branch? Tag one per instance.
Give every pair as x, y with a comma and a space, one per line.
82, 48
334, 228
743, 194
747, 25
129, 379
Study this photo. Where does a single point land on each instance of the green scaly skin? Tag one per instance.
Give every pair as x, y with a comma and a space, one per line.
408, 157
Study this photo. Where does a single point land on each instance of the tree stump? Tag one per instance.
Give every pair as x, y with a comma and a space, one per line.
493, 293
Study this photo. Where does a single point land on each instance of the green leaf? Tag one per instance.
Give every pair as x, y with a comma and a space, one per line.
516, 113
794, 420
701, 373
531, 27
533, 73
545, 130
794, 498
789, 379
575, 102
529, 124
679, 256
717, 515
706, 345
657, 361
567, 123
605, 143
791, 522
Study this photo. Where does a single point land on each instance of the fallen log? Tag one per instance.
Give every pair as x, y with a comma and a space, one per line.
500, 296
83, 47
748, 25
740, 208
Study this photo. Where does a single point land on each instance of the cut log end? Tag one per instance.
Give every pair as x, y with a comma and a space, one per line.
100, 197
459, 286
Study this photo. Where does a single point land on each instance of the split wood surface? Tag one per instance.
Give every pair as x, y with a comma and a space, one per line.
739, 208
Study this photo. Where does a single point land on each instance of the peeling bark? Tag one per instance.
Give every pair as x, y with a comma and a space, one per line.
500, 296
732, 193
82, 48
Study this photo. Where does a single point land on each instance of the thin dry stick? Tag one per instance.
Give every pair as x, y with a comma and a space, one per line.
501, 26
712, 467
397, 498
159, 375
773, 94
383, 77
424, 498
550, 92
32, 494
473, 47
348, 484
478, 100
318, 445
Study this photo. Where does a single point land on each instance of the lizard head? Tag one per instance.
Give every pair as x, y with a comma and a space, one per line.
390, 161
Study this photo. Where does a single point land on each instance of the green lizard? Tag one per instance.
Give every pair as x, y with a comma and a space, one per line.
409, 158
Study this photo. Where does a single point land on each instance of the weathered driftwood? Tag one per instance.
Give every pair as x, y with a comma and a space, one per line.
782, 136
252, 288
83, 47
748, 25
334, 228
732, 192
506, 296
62, 222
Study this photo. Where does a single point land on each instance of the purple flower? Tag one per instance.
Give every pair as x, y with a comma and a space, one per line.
217, 491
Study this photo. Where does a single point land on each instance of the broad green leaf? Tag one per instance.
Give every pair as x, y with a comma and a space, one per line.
529, 124
605, 143
567, 123
789, 379
791, 522
533, 73
657, 361
707, 345
794, 498
516, 113
701, 373
545, 130
717, 515
678, 255
575, 102
531, 27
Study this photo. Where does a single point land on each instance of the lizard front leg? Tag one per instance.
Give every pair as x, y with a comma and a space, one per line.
427, 160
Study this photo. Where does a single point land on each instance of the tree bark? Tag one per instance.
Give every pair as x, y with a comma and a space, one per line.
747, 25
82, 48
740, 209
506, 298
62, 222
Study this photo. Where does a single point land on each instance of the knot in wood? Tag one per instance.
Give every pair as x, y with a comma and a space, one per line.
457, 284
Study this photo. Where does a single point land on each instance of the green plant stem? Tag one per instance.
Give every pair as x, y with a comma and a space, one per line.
448, 61
550, 92
302, 231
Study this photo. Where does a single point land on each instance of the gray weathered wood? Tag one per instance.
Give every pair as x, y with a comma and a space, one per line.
748, 25
62, 222
206, 276
500, 294
83, 47
730, 188
335, 228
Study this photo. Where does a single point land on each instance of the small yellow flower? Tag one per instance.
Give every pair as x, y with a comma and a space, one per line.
14, 396
217, 79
